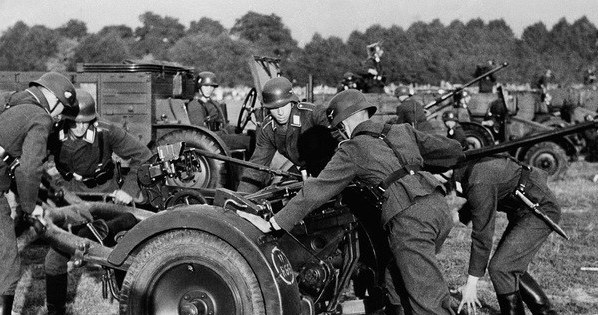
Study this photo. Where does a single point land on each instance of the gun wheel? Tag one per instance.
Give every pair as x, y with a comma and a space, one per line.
477, 136
212, 173
190, 272
549, 157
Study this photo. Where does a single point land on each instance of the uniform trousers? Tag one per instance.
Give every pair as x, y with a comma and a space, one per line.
520, 242
10, 263
415, 236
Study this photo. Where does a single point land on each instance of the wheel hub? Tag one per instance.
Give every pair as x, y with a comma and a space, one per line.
196, 302
192, 289
546, 162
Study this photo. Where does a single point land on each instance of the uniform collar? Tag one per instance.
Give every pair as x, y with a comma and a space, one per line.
368, 125
89, 136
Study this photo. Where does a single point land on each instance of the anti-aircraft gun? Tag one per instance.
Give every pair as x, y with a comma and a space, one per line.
204, 258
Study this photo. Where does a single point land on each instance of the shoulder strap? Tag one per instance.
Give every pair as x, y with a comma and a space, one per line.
100, 135
400, 173
382, 136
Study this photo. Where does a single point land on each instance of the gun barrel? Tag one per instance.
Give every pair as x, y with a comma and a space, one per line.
540, 137
444, 97
259, 167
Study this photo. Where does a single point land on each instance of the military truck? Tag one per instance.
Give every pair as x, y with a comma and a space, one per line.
148, 99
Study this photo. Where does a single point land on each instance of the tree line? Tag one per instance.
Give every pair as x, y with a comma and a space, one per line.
424, 53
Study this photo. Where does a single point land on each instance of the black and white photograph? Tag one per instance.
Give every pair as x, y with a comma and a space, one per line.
314, 157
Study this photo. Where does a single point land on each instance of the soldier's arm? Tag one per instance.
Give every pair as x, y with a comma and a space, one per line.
483, 201
337, 174
252, 179
127, 146
28, 174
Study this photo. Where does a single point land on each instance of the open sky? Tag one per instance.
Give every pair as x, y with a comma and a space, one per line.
303, 17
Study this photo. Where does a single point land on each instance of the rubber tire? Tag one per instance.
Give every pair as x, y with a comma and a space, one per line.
189, 246
540, 152
477, 135
195, 139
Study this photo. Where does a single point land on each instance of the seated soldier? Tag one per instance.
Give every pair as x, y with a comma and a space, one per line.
203, 110
455, 131
82, 148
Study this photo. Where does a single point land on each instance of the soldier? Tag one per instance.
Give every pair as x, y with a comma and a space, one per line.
280, 131
82, 148
25, 125
411, 111
415, 215
489, 185
203, 110
455, 131
487, 83
374, 76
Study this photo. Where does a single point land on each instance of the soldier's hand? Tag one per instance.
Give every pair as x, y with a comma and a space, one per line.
469, 295
256, 220
121, 197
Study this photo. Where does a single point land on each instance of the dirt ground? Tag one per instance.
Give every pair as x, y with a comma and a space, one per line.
557, 267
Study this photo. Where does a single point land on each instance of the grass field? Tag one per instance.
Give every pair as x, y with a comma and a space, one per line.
557, 267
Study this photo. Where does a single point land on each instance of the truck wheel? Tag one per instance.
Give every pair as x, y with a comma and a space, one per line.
477, 136
549, 157
190, 272
213, 172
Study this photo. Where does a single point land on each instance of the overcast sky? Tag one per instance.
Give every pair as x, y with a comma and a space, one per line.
303, 17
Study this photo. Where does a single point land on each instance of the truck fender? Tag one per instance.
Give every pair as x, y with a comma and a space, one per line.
270, 265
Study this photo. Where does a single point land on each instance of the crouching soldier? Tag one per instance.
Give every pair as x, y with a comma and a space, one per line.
501, 183
82, 148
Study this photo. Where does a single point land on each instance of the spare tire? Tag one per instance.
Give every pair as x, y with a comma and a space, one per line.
213, 172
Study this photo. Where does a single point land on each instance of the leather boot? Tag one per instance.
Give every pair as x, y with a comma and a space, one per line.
6, 304
533, 296
56, 290
511, 304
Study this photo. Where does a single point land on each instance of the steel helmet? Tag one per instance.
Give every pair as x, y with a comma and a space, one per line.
278, 92
403, 90
449, 115
87, 108
347, 103
60, 86
207, 78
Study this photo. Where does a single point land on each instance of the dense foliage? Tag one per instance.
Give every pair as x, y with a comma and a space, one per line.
424, 53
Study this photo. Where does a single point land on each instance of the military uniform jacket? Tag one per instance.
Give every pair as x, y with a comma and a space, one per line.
82, 155
24, 130
372, 160
272, 137
203, 112
488, 186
